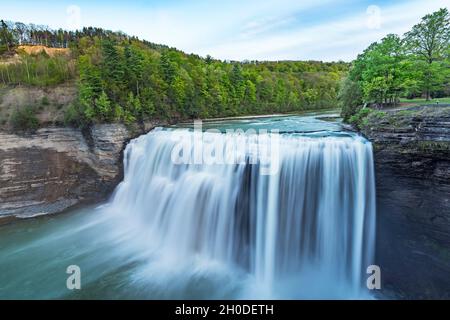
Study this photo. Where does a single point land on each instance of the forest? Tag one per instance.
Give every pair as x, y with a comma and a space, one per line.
121, 78
416, 64
124, 79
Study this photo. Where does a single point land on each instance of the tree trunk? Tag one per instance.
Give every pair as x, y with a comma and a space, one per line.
428, 91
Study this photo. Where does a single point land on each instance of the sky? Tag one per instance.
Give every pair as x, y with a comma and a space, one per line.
238, 29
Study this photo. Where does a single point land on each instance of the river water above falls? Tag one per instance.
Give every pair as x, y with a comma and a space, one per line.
301, 228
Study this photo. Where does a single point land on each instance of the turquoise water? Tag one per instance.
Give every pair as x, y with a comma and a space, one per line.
325, 123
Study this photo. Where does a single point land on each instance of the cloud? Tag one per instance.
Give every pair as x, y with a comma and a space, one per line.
240, 29
333, 40
264, 25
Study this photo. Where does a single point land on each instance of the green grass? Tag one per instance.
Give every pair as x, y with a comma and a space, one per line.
423, 101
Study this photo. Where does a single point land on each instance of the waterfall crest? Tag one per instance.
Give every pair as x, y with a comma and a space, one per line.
314, 220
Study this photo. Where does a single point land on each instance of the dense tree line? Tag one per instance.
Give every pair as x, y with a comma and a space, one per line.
18, 33
415, 65
122, 78
126, 80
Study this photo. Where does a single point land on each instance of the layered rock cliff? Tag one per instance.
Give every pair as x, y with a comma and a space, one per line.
57, 168
412, 161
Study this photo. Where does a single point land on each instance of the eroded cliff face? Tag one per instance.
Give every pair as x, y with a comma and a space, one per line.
412, 161
58, 168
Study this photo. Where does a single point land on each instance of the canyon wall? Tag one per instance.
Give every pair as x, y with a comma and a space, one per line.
412, 161
57, 168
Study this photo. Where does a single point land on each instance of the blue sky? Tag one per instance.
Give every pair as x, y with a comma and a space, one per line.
238, 29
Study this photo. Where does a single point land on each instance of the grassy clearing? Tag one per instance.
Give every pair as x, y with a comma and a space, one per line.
421, 101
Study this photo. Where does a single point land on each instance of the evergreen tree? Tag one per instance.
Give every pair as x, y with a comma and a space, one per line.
6, 37
103, 106
112, 68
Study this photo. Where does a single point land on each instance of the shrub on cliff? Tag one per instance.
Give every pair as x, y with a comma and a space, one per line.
24, 119
74, 116
365, 117
359, 118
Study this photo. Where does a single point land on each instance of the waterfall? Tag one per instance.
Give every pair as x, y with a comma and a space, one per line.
311, 224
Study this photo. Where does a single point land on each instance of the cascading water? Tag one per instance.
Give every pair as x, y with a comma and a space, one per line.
297, 224
304, 231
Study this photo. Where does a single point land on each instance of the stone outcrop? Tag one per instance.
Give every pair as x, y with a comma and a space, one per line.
412, 161
57, 168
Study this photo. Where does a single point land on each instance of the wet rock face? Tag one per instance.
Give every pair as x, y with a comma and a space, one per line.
412, 161
413, 235
57, 168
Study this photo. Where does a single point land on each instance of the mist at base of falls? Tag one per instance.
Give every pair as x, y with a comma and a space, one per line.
212, 231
